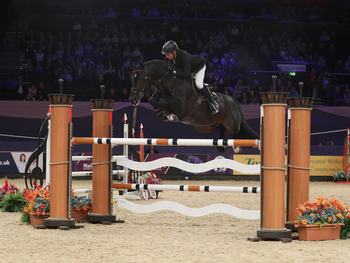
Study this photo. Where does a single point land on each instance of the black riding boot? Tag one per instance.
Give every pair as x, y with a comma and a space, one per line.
214, 106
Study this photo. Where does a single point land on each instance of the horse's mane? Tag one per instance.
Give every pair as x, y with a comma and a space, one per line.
154, 61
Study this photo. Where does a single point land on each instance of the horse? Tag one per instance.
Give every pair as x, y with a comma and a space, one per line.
176, 99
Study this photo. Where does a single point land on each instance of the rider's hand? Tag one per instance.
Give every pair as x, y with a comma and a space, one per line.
171, 66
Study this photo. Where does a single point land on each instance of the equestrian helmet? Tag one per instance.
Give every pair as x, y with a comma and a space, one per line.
169, 46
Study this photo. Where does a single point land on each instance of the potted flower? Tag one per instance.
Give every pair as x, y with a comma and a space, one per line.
150, 178
7, 189
38, 204
339, 177
10, 199
320, 220
80, 207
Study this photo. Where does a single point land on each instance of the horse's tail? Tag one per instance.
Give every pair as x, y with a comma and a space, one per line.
246, 132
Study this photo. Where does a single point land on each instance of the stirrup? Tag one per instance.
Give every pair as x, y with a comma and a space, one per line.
214, 107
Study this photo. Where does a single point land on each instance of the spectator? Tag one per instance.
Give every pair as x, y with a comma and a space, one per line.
321, 63
112, 95
32, 91
20, 90
42, 92
293, 93
239, 71
124, 96
346, 96
100, 72
337, 97
76, 26
66, 76
228, 91
93, 26
151, 150
39, 56
310, 83
136, 54
238, 92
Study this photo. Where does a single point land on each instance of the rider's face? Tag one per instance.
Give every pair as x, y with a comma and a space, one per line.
170, 55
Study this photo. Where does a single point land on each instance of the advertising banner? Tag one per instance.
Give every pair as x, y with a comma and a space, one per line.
15, 162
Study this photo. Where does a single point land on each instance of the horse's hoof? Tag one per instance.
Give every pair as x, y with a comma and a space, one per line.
222, 149
237, 149
173, 117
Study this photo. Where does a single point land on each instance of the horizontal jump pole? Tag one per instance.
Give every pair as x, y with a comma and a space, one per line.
81, 158
189, 188
90, 173
89, 158
166, 142
82, 191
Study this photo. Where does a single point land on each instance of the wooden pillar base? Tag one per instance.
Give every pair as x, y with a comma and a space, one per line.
103, 219
290, 225
59, 222
284, 235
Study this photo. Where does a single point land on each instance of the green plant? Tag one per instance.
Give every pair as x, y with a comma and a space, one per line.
25, 217
80, 203
345, 229
321, 212
13, 203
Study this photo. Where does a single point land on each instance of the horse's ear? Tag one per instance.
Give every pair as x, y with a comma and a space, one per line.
142, 67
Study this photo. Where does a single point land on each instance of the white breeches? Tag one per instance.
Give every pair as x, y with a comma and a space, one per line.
199, 76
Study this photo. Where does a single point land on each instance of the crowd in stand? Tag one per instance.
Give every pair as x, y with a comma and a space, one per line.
88, 55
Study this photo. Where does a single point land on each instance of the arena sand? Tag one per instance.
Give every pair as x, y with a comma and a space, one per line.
166, 236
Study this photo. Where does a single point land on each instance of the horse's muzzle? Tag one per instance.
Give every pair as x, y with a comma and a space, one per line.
134, 100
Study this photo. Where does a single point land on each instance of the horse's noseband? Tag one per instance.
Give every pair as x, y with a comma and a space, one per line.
142, 92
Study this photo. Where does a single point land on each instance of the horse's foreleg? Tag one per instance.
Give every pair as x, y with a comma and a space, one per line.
154, 101
165, 112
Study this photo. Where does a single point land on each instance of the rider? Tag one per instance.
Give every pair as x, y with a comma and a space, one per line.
182, 64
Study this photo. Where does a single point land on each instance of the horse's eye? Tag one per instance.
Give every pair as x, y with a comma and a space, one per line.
135, 75
145, 77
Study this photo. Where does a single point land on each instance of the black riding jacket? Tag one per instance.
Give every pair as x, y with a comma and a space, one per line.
186, 64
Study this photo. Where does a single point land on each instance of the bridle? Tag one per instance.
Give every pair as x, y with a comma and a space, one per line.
148, 79
159, 84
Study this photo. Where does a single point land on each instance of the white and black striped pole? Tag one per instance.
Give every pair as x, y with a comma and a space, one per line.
189, 188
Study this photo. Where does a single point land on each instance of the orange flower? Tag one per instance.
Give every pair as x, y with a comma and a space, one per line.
78, 209
339, 215
303, 222
42, 206
329, 219
38, 212
84, 208
26, 211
